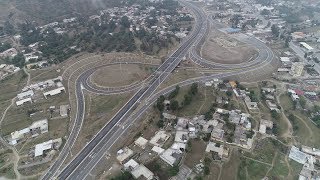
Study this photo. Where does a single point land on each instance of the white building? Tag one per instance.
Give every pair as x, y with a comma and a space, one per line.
141, 142
54, 92
124, 154
141, 170
45, 146
212, 147
36, 128
64, 110
25, 94
138, 170
306, 46
21, 102
41, 126
299, 156
157, 149
159, 138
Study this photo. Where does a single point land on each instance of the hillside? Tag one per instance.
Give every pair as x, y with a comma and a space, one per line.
45, 11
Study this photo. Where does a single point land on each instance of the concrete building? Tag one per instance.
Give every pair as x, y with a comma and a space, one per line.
181, 136
264, 124
250, 105
299, 156
306, 47
142, 171
138, 171
26, 94
64, 110
45, 146
141, 142
212, 147
170, 156
297, 69
54, 92
124, 154
39, 127
159, 138
311, 151
17, 135
157, 150
35, 129
22, 101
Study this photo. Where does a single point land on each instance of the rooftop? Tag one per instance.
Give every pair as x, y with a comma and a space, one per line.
141, 142
124, 154
141, 170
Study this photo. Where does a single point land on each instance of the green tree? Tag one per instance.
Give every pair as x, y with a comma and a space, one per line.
174, 93
208, 115
229, 93
194, 89
173, 170
125, 22
275, 114
160, 105
174, 105
302, 102
206, 170
275, 30
4, 46
123, 176
187, 99
18, 60
160, 123
265, 12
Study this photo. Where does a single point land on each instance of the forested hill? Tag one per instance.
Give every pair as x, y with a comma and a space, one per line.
45, 11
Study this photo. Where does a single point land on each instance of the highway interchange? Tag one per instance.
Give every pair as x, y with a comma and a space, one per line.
83, 163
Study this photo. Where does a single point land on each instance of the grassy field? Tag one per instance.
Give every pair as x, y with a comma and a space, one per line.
44, 74
7, 172
280, 168
196, 154
295, 169
57, 129
264, 151
200, 104
306, 132
230, 168
18, 117
11, 85
265, 114
286, 103
250, 169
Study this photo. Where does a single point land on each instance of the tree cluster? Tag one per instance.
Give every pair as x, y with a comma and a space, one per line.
191, 93
4, 46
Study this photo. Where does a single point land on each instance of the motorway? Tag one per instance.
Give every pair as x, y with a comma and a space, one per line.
90, 155
158, 77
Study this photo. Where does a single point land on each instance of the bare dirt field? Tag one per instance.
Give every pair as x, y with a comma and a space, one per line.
221, 48
121, 75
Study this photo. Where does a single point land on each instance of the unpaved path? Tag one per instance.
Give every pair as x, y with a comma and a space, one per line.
204, 102
16, 156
